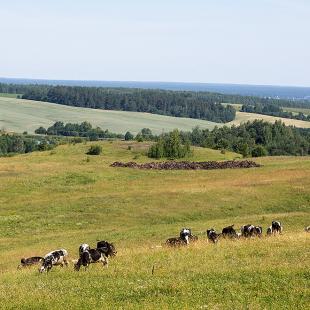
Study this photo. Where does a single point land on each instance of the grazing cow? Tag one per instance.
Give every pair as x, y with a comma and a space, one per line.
106, 248
277, 228
83, 247
259, 231
269, 231
251, 231
55, 258
229, 231
30, 261
90, 256
307, 229
212, 235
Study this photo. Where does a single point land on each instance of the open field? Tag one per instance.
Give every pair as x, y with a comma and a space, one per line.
60, 199
6, 95
25, 115
297, 110
242, 117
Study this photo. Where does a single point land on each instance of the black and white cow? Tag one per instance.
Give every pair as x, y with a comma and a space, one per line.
269, 231
55, 258
30, 261
277, 228
184, 239
229, 231
251, 231
91, 256
212, 235
307, 229
106, 248
83, 247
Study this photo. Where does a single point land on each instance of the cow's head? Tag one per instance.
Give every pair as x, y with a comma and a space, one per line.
46, 265
111, 251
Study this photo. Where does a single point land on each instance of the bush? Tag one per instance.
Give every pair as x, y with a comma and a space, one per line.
94, 150
129, 136
259, 151
41, 131
170, 146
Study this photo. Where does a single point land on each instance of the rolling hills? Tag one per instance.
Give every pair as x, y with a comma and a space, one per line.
25, 115
62, 198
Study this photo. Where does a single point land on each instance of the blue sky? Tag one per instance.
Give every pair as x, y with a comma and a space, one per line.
212, 41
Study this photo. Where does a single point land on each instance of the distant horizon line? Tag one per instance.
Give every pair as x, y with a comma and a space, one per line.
150, 81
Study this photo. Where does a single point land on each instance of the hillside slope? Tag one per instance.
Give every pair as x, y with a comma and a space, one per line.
59, 199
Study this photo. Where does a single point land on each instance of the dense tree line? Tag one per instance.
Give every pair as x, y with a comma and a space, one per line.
20, 144
255, 139
273, 110
173, 103
84, 129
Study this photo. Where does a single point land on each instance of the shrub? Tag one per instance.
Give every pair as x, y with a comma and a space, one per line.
259, 151
94, 150
129, 136
170, 146
41, 131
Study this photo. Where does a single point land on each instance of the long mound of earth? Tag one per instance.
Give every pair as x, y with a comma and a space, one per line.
187, 165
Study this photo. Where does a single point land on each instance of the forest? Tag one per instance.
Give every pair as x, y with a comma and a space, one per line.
257, 138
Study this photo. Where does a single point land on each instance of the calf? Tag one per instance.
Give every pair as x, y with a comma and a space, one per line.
90, 256
55, 258
212, 235
259, 231
277, 228
307, 229
229, 231
30, 261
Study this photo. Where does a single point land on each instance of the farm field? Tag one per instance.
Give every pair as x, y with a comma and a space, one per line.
297, 110
242, 117
62, 198
20, 115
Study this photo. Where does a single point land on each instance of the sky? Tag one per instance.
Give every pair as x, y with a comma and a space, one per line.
210, 41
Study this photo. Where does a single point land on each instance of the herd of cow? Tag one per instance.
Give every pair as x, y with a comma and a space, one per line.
105, 249
246, 231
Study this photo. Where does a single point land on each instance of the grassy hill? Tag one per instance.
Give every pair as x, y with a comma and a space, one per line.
60, 199
25, 115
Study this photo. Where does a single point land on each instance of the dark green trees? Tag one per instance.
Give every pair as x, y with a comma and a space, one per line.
170, 146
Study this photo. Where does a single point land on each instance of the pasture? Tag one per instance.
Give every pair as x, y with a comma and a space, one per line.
20, 115
62, 198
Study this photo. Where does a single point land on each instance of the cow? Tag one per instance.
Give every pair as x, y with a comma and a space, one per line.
91, 256
106, 248
185, 234
247, 230
259, 231
83, 247
55, 258
277, 228
229, 231
307, 229
269, 231
184, 239
212, 235
30, 261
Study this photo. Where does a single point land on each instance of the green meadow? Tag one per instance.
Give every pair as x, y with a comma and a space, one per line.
62, 198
